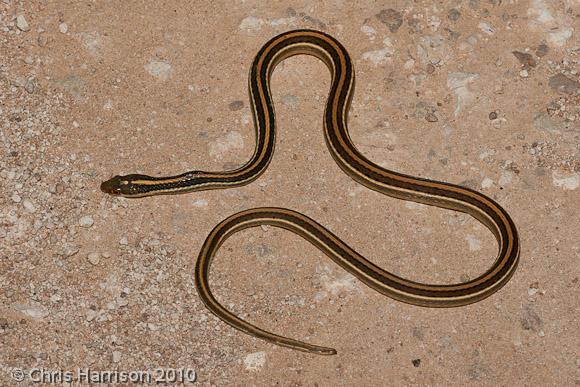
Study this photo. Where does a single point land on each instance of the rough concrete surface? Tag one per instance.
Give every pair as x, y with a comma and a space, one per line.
482, 93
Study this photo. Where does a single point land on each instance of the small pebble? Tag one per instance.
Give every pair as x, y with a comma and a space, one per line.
453, 14
255, 361
30, 86
29, 60
63, 28
91, 314
526, 60
16, 198
392, 18
69, 251
124, 241
42, 40
416, 362
94, 258
542, 50
200, 203
116, 356
492, 115
486, 28
86, 221
564, 85
152, 327
29, 206
487, 183
524, 73
236, 105
289, 99
22, 24
430, 117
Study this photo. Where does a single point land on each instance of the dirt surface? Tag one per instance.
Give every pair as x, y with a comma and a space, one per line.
481, 93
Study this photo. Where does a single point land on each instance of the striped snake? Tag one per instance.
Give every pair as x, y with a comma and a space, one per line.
352, 162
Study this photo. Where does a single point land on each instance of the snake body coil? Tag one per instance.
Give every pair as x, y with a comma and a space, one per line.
352, 162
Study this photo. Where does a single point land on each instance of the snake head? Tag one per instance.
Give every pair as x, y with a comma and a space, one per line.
122, 186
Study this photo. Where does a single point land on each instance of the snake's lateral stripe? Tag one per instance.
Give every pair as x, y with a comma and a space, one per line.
352, 162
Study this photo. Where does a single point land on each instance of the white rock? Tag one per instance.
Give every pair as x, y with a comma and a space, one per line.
524, 73
539, 12
505, 178
16, 198
152, 327
414, 205
116, 356
567, 182
382, 55
63, 28
335, 285
159, 69
86, 221
434, 23
35, 311
92, 41
94, 258
200, 203
474, 243
91, 314
283, 21
369, 31
251, 23
22, 24
230, 142
458, 83
255, 361
486, 28
124, 241
346, 283
487, 183
532, 292
561, 36
29, 206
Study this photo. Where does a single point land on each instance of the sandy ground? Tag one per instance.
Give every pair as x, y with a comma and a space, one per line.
481, 93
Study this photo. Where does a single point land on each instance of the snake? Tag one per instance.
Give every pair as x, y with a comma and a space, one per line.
354, 164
